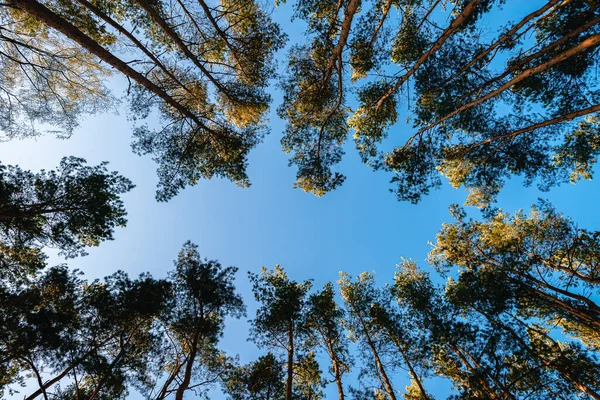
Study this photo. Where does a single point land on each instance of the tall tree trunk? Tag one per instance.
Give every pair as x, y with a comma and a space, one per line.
408, 363
563, 371
543, 124
524, 61
187, 377
388, 385
589, 43
336, 369
351, 10
170, 32
290, 362
134, 40
51, 19
454, 26
505, 38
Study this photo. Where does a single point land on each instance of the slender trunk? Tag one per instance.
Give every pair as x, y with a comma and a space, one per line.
290, 362
454, 25
591, 304
51, 19
221, 34
51, 382
107, 374
457, 349
472, 369
588, 43
548, 122
349, 13
563, 371
170, 32
516, 65
187, 377
38, 377
411, 369
133, 39
569, 309
163, 392
336, 369
388, 385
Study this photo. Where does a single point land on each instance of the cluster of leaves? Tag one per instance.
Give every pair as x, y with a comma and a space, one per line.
69, 208
203, 68
101, 339
525, 103
518, 317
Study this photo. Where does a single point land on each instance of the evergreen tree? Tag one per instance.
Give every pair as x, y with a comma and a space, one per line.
97, 339
261, 380
525, 103
525, 276
280, 320
203, 68
203, 296
69, 208
325, 320
358, 298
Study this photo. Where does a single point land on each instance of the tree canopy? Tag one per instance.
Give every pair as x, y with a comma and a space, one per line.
69, 208
203, 69
510, 308
524, 103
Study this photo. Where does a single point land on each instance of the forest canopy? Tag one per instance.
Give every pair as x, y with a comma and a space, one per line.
506, 305
517, 319
482, 108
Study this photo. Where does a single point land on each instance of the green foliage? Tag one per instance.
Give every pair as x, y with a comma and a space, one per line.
69, 209
202, 68
524, 276
525, 103
261, 380
203, 296
99, 334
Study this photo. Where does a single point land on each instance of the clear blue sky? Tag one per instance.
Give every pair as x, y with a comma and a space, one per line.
359, 227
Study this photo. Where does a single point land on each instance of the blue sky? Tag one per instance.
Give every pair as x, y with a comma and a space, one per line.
359, 227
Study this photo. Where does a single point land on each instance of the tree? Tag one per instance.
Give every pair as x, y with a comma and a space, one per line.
203, 296
358, 298
261, 380
203, 68
472, 356
543, 257
97, 339
527, 275
69, 208
525, 103
279, 322
307, 378
325, 320
45, 79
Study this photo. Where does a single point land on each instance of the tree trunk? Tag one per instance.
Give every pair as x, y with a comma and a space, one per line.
584, 388
51, 19
504, 38
548, 122
290, 363
412, 371
336, 369
187, 377
134, 40
170, 32
388, 385
454, 25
